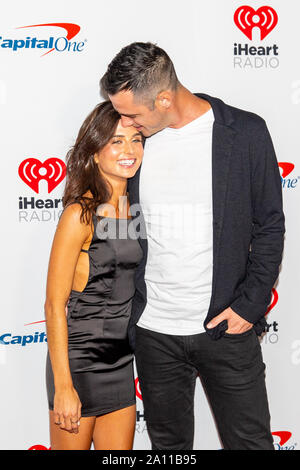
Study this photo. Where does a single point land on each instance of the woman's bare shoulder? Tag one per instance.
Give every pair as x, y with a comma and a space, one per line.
71, 220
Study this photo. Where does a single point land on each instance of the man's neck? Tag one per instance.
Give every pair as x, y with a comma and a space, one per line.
187, 107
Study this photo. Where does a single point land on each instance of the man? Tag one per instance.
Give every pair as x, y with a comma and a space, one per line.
209, 190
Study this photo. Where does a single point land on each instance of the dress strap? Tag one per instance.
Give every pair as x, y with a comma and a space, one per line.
94, 217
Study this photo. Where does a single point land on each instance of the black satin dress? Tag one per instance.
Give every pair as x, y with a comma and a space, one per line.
100, 358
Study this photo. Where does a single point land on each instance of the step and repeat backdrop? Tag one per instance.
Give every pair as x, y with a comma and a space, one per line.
52, 55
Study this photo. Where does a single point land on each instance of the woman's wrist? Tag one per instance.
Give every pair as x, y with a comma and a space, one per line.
62, 386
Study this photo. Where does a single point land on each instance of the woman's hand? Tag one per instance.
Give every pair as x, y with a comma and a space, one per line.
67, 409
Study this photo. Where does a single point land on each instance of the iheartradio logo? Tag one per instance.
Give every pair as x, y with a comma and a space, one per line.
138, 389
271, 328
39, 447
246, 18
32, 171
274, 301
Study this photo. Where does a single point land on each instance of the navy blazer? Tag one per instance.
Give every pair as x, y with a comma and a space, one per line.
248, 220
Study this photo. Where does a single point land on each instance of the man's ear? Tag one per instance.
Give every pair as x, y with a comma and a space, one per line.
163, 100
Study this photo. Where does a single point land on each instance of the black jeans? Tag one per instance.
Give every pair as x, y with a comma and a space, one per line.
233, 376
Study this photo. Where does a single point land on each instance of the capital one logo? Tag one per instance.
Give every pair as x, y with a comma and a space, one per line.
59, 44
287, 180
246, 18
32, 171
284, 437
286, 167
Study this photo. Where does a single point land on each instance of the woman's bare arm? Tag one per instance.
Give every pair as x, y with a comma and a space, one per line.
68, 240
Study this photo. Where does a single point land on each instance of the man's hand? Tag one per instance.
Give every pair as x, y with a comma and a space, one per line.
236, 324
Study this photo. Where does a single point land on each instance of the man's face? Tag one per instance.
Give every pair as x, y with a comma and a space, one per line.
145, 120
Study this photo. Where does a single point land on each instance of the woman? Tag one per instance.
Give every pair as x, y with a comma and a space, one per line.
90, 285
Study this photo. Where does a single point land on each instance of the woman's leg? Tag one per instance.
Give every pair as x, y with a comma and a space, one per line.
115, 430
61, 439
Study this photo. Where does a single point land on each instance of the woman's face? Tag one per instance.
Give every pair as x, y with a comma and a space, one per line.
122, 155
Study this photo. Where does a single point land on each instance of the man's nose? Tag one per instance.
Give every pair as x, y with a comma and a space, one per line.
126, 121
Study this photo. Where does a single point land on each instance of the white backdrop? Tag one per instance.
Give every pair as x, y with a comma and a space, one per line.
43, 101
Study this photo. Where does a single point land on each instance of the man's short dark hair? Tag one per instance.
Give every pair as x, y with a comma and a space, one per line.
141, 67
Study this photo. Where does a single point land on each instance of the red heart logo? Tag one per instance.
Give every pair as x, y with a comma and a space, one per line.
138, 389
39, 447
30, 172
273, 302
246, 18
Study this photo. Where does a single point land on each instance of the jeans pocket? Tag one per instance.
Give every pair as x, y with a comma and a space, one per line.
239, 335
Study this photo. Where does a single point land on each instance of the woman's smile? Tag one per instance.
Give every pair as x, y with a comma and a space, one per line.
127, 163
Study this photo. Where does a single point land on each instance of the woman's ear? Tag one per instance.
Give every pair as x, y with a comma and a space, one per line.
96, 159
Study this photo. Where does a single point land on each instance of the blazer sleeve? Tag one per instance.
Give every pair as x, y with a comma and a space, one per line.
268, 228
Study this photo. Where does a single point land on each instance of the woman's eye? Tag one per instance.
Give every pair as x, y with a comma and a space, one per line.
117, 142
137, 140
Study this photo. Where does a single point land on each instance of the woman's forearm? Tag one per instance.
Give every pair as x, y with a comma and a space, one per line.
57, 337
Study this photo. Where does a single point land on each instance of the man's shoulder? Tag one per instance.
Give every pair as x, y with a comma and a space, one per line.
239, 119
246, 120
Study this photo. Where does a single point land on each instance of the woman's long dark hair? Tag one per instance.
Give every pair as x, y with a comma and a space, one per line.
82, 171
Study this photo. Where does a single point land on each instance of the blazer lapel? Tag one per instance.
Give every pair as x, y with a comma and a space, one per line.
222, 143
221, 150
133, 187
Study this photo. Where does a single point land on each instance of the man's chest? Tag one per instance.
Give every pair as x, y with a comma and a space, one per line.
178, 172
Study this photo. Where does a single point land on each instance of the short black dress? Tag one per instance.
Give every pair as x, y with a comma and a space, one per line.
100, 358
